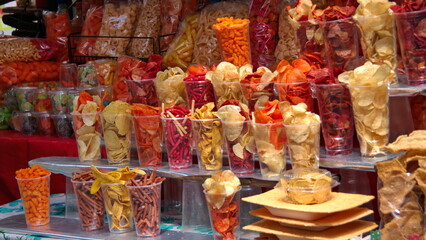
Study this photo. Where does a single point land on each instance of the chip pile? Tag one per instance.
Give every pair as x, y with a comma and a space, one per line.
303, 135
116, 122
170, 87
258, 87
221, 185
207, 133
305, 186
402, 187
368, 85
87, 126
226, 81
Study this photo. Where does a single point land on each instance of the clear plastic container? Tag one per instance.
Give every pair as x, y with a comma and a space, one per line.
149, 135
143, 91
59, 101
88, 132
26, 98
256, 94
63, 125
117, 129
42, 101
87, 77
45, 124
68, 75
26, 122
177, 136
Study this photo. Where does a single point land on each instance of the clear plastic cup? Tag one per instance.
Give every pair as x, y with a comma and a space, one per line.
256, 94
88, 132
87, 77
91, 207
177, 136
224, 214
59, 101
149, 135
106, 95
296, 93
171, 91
26, 98
143, 91
35, 195
304, 149
117, 206
208, 138
68, 75
241, 158
26, 122
45, 124
42, 101
308, 38
117, 129
226, 91
201, 92
63, 125
146, 206
270, 145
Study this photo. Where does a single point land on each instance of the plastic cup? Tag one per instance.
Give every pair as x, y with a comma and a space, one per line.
143, 91
63, 125
68, 75
371, 113
335, 107
270, 144
201, 92
308, 43
118, 221
208, 138
87, 129
86, 74
45, 124
296, 93
171, 91
341, 43
90, 206
149, 134
72, 93
412, 45
226, 91
42, 101
35, 195
26, 98
256, 94
177, 135
27, 123
241, 158
304, 150
117, 129
225, 217
59, 101
146, 206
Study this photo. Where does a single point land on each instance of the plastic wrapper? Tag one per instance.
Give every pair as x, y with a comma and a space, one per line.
143, 91
58, 25
92, 27
17, 72
68, 75
28, 49
105, 70
148, 25
129, 68
206, 49
181, 50
170, 18
263, 31
118, 21
88, 4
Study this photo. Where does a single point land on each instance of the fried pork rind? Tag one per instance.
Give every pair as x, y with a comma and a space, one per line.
116, 122
221, 186
416, 141
303, 131
170, 87
368, 86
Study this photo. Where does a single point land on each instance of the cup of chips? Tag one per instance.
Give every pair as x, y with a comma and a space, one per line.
306, 186
335, 107
87, 76
42, 101
295, 93
310, 42
87, 129
106, 94
270, 144
68, 75
59, 101
26, 98
63, 125
45, 124
226, 91
143, 91
149, 135
256, 94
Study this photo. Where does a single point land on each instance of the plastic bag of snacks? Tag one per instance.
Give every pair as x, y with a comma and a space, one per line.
286, 47
105, 70
129, 68
57, 24
181, 50
16, 72
170, 15
92, 27
118, 21
263, 31
148, 25
28, 49
88, 4
206, 49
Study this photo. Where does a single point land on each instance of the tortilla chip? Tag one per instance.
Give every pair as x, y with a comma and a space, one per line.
416, 141
386, 169
392, 194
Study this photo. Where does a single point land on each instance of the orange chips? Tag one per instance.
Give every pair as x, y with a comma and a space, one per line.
233, 38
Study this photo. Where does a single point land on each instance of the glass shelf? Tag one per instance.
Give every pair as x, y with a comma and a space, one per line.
404, 90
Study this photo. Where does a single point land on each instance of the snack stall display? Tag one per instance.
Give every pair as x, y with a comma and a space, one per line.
242, 114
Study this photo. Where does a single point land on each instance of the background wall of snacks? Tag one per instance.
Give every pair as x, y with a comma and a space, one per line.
197, 110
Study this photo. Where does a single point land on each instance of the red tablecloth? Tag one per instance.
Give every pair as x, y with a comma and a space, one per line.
17, 150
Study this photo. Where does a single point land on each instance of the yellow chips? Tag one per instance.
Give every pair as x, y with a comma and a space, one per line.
303, 131
170, 87
220, 186
116, 122
368, 85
